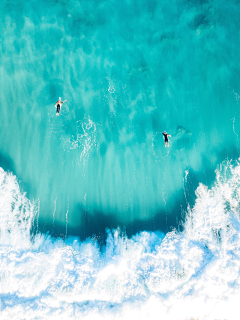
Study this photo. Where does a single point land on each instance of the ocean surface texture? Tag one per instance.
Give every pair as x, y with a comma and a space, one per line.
98, 219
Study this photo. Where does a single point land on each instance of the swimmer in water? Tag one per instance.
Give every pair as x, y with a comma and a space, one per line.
58, 105
166, 135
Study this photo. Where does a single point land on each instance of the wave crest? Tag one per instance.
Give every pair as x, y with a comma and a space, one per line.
193, 273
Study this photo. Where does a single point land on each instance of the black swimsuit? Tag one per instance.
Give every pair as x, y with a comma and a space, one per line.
58, 107
165, 137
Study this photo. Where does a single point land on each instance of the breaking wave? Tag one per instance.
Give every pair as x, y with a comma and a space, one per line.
193, 274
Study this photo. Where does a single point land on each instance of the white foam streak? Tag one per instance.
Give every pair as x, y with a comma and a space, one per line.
189, 275
85, 141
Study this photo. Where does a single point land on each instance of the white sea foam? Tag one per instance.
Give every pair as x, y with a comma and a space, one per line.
194, 274
16, 212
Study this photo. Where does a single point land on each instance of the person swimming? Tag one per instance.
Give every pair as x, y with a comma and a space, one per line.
58, 105
166, 135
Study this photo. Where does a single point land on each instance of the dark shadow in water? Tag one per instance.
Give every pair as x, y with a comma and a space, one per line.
94, 224
6, 163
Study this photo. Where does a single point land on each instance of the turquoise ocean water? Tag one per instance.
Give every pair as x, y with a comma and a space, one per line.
100, 171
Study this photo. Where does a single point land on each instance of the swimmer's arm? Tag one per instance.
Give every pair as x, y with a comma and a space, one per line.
169, 135
64, 101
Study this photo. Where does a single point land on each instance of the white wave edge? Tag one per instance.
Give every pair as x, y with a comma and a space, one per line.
193, 274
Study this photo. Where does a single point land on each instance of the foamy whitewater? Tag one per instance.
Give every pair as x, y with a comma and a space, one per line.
180, 275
